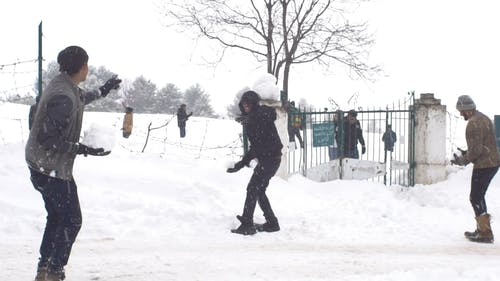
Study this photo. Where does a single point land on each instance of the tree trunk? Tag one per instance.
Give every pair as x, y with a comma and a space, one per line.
286, 76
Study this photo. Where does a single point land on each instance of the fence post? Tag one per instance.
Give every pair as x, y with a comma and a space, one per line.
40, 60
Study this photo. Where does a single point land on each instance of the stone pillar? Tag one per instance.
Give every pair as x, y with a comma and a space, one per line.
430, 140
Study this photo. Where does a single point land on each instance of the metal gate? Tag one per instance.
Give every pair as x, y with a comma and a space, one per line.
324, 156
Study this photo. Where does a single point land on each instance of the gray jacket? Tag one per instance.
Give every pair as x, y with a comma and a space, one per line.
51, 147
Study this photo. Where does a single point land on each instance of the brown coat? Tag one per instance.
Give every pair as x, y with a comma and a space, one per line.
128, 124
482, 150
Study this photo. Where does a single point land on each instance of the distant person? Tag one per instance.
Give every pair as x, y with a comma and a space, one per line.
389, 138
295, 124
50, 153
265, 146
482, 151
128, 122
182, 117
352, 134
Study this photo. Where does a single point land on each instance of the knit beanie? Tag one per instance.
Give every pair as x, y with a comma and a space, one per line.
465, 103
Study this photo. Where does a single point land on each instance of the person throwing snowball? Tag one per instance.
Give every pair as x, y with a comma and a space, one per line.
51, 149
265, 146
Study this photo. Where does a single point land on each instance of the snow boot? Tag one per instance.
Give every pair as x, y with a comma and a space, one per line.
484, 233
471, 234
246, 228
271, 225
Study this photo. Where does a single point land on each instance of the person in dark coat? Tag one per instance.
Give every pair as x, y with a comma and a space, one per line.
265, 146
352, 135
182, 117
51, 149
481, 151
389, 138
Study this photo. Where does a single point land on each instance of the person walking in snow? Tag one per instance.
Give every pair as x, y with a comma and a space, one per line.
50, 153
352, 134
483, 153
265, 146
182, 117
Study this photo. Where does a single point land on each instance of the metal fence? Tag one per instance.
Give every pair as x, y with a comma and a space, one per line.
323, 136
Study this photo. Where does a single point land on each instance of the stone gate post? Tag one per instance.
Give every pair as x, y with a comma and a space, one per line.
430, 140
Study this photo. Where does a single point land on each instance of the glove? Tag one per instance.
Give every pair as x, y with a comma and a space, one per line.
363, 149
85, 150
236, 168
112, 84
243, 119
459, 160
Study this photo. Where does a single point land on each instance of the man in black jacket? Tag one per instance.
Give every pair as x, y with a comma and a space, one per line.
352, 135
51, 149
265, 146
182, 117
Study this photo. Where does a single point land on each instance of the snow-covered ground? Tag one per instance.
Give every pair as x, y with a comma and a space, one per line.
166, 214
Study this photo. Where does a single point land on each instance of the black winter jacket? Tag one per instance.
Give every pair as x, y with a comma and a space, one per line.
182, 117
352, 135
261, 131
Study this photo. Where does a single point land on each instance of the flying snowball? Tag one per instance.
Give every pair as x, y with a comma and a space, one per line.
266, 87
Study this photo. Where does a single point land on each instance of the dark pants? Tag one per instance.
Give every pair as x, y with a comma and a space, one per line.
295, 132
183, 131
480, 181
333, 153
64, 219
351, 153
256, 189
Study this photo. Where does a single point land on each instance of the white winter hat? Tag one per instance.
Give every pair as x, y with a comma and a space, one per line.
465, 103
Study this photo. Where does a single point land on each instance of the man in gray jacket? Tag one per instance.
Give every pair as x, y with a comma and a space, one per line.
51, 149
483, 153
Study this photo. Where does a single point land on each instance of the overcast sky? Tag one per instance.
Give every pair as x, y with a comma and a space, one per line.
447, 47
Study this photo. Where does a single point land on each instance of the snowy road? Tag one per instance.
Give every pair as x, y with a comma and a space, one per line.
250, 259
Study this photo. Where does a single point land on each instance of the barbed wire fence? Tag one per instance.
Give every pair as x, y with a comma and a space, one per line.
18, 79
204, 144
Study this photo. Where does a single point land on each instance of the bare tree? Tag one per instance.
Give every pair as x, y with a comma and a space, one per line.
280, 33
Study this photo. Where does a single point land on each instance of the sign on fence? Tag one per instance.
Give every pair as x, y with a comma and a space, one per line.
323, 133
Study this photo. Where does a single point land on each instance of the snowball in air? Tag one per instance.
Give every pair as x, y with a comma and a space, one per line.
266, 87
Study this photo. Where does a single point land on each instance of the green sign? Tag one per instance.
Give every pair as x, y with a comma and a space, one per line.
323, 133
497, 130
